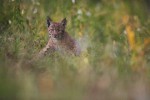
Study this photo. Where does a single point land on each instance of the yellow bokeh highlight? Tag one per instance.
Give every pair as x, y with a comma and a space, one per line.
80, 34
131, 37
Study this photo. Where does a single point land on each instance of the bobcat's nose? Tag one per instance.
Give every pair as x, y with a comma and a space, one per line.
55, 34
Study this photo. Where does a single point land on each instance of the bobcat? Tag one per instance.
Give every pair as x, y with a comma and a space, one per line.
59, 39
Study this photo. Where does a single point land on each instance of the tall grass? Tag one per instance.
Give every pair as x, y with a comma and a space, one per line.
115, 43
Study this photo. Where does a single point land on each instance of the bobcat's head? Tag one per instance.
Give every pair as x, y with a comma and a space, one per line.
56, 29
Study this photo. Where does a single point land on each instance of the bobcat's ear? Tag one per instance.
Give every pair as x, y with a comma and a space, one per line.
64, 22
48, 21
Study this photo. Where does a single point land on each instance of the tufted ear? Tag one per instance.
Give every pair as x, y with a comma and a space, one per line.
48, 21
64, 22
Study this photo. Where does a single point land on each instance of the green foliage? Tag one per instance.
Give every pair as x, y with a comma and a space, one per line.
114, 37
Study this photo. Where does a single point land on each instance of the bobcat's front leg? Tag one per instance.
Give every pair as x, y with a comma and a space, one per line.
49, 48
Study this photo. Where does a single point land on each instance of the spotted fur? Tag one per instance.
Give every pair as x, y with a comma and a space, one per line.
59, 39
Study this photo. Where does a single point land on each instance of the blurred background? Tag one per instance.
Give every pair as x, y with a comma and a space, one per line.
115, 40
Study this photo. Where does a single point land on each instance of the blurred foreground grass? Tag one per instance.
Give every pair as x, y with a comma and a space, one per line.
114, 36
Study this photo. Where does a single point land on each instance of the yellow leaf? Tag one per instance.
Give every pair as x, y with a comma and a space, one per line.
131, 37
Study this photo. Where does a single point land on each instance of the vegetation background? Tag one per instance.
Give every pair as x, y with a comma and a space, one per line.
114, 36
